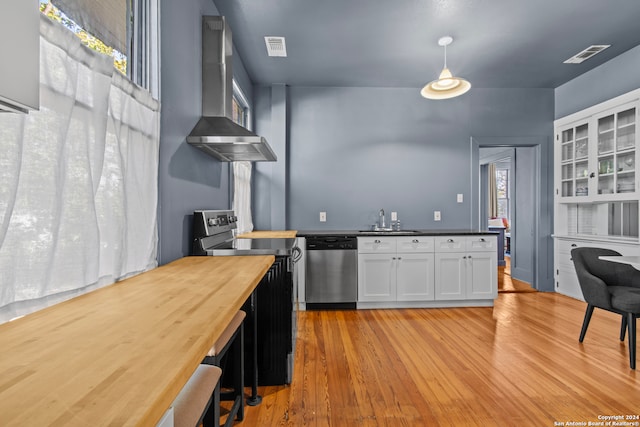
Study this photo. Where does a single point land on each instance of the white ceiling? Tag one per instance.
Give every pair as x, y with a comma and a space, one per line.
394, 43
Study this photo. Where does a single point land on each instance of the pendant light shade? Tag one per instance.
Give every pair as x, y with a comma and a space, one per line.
446, 86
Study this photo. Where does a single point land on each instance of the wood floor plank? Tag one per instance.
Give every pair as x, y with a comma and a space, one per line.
517, 363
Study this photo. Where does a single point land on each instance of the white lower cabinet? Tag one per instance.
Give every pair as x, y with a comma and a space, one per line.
395, 269
450, 276
426, 271
566, 281
466, 268
414, 277
376, 277
466, 276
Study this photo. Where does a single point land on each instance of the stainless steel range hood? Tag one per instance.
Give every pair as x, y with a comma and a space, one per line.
215, 133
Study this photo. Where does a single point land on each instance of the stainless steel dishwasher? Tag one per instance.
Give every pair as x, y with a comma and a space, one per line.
331, 278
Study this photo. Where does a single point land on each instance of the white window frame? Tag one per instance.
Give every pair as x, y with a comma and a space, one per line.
238, 96
508, 191
144, 52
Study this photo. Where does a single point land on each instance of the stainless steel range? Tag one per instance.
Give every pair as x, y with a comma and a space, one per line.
213, 232
271, 318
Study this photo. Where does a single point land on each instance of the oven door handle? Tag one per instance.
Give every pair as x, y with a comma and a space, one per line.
296, 254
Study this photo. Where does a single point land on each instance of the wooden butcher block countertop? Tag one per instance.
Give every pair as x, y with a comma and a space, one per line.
119, 355
277, 234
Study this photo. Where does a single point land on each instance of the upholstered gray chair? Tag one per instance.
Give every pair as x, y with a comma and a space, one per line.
610, 286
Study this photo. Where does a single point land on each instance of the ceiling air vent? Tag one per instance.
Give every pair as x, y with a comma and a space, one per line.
276, 46
586, 54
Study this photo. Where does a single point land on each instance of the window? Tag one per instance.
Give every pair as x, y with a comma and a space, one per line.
78, 179
239, 107
88, 38
502, 183
241, 204
127, 30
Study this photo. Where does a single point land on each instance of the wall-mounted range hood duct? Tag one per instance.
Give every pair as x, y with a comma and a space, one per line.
215, 133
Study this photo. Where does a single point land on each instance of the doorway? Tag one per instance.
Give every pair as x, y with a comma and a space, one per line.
511, 171
496, 184
541, 244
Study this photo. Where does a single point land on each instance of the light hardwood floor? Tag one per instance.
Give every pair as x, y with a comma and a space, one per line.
517, 363
508, 284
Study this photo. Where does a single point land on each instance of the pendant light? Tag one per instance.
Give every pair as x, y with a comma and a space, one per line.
446, 86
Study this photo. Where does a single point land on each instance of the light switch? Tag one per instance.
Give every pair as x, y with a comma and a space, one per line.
394, 216
459, 198
436, 215
323, 217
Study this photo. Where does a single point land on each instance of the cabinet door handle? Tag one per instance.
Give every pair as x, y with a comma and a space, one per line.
416, 241
482, 240
464, 257
469, 256
399, 257
592, 175
449, 240
573, 245
376, 241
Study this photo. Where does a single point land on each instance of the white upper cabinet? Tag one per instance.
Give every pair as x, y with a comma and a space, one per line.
20, 53
616, 153
596, 154
573, 148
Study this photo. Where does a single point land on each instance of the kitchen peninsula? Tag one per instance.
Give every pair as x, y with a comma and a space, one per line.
418, 268
121, 354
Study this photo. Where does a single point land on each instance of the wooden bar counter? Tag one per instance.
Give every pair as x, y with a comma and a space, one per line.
119, 356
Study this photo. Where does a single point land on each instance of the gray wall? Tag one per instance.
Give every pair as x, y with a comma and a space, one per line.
350, 151
613, 78
353, 150
188, 178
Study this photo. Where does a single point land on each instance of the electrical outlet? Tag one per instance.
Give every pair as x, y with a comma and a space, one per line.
436, 216
394, 216
459, 198
323, 217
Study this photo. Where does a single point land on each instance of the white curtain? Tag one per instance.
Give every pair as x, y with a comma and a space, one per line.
242, 196
78, 180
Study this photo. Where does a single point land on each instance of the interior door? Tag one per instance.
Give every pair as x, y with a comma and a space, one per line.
523, 228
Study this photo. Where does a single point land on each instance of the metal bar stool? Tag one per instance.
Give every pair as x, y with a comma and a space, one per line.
199, 400
231, 339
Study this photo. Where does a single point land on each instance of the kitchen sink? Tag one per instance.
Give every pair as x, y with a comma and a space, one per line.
388, 232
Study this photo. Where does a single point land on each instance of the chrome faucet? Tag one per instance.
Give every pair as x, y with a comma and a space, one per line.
381, 222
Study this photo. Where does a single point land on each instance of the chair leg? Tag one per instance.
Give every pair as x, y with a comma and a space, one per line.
239, 374
212, 416
631, 324
237, 353
623, 327
585, 322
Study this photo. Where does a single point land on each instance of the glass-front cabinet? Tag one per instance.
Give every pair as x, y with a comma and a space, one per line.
617, 152
574, 149
596, 156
